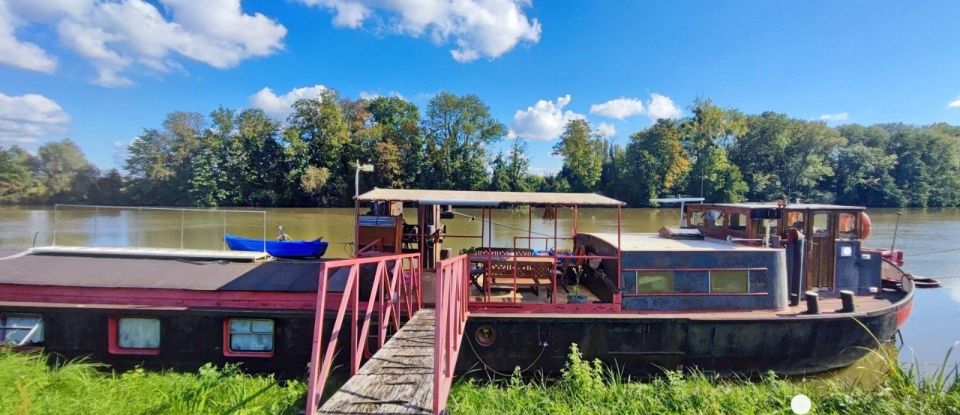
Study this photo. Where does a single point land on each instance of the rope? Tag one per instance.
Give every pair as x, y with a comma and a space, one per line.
505, 226
936, 251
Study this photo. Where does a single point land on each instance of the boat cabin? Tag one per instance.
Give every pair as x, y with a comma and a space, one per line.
827, 240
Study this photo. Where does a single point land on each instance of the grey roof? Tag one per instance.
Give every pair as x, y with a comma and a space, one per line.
472, 198
811, 206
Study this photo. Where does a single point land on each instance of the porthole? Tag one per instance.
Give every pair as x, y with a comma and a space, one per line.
485, 335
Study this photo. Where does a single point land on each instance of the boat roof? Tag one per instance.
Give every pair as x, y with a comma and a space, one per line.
646, 242
118, 272
774, 205
477, 198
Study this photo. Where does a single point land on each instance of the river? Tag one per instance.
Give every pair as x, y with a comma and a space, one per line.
930, 239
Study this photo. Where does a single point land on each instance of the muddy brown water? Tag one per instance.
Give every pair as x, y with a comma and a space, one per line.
930, 239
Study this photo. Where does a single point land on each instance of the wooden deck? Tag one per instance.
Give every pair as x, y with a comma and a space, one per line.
398, 379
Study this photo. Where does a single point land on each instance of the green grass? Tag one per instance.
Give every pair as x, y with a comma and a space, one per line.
28, 385
589, 388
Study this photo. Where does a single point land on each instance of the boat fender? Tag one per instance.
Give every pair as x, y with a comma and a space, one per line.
865, 225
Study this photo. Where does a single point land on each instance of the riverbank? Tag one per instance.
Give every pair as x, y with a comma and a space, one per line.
29, 386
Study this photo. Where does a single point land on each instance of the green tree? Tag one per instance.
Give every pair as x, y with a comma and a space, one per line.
657, 161
582, 153
65, 171
399, 123
18, 176
710, 127
457, 130
863, 177
317, 133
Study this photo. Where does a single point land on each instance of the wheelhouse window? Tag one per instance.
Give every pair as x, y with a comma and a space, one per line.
654, 282
738, 222
250, 335
795, 220
730, 282
847, 226
821, 224
138, 333
21, 329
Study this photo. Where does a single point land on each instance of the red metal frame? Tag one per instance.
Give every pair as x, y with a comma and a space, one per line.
113, 334
452, 302
227, 351
394, 291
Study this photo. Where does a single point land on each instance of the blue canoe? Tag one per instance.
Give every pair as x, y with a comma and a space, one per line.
287, 249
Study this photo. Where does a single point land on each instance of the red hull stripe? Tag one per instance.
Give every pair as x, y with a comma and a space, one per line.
298, 301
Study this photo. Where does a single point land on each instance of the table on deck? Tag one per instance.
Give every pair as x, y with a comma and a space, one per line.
502, 267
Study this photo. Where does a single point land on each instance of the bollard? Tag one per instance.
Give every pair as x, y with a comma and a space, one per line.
794, 299
813, 302
847, 297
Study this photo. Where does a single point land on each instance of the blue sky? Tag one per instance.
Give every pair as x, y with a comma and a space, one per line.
100, 72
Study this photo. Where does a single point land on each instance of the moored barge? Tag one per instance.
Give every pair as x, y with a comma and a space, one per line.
721, 293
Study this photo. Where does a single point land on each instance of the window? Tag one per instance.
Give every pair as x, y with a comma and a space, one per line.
821, 224
654, 282
729, 282
249, 335
847, 226
738, 221
21, 329
795, 220
134, 335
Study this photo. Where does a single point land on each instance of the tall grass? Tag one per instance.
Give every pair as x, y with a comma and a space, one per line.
28, 385
587, 387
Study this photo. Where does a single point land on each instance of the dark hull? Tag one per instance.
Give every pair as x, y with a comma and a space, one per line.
645, 345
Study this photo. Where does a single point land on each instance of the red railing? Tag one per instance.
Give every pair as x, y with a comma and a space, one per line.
452, 297
396, 290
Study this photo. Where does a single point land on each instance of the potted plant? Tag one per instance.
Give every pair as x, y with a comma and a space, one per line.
575, 297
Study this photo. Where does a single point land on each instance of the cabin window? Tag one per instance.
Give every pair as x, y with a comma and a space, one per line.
21, 329
713, 218
795, 220
138, 333
821, 224
654, 282
738, 222
847, 226
729, 282
251, 335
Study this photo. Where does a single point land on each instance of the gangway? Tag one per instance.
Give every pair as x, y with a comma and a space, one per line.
411, 372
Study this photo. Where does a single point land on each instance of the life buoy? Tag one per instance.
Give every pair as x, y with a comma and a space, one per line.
865, 225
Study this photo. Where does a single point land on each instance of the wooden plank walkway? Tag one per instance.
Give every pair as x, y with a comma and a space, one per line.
398, 378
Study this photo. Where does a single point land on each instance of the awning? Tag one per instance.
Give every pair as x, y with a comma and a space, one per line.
472, 198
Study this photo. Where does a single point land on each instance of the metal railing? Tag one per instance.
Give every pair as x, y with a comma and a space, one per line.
452, 300
96, 211
396, 289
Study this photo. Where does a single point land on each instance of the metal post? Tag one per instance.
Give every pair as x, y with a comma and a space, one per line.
529, 226
96, 213
181, 227
54, 242
263, 224
139, 225
895, 230
224, 239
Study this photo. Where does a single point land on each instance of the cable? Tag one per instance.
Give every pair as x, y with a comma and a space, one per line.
505, 226
936, 251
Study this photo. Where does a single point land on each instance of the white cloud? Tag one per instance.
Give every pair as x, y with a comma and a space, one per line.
115, 36
544, 120
661, 106
954, 104
26, 118
840, 116
619, 108
605, 130
543, 171
279, 106
19, 54
478, 28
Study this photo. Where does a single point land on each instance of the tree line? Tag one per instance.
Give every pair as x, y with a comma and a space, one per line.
246, 158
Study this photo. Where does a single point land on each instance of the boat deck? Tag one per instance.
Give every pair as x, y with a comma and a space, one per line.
159, 253
81, 270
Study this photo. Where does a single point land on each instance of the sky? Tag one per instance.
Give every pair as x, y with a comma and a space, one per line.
99, 72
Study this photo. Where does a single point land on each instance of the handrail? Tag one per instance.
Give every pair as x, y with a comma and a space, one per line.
451, 319
375, 244
396, 289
